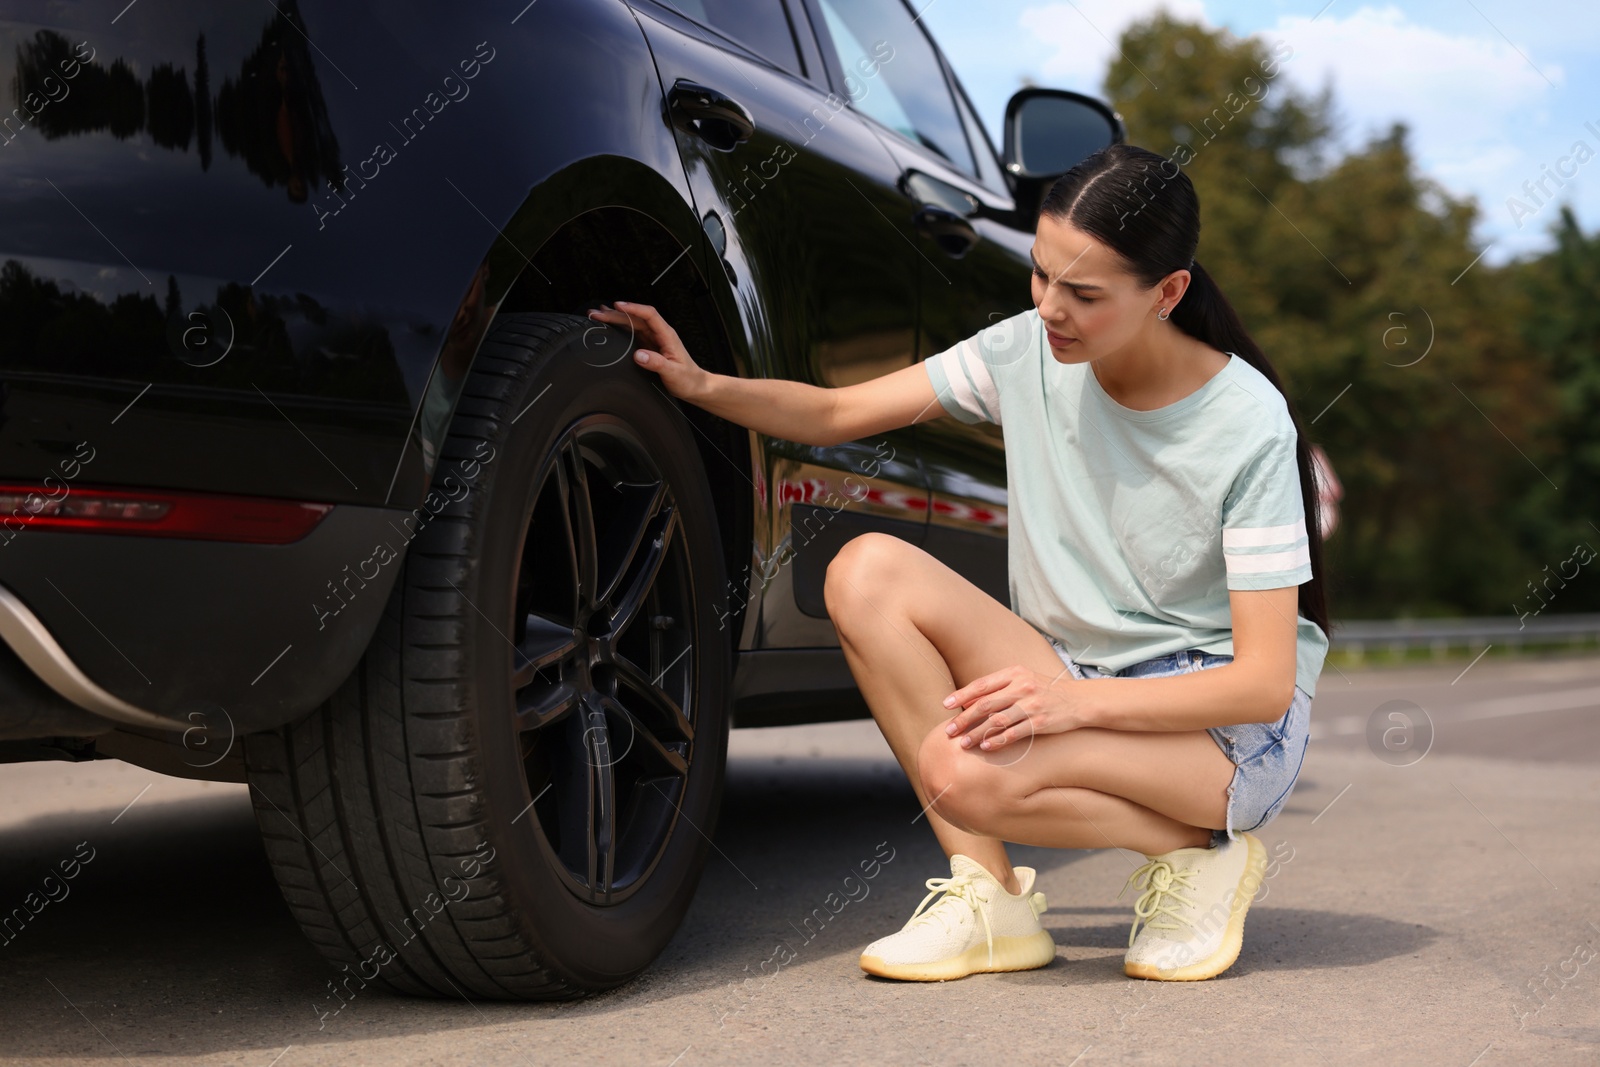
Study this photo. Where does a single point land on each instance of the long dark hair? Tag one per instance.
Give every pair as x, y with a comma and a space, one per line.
1142, 206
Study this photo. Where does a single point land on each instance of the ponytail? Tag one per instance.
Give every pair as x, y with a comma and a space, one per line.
1155, 239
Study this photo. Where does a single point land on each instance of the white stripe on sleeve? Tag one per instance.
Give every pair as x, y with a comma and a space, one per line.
970, 382
1261, 536
1268, 562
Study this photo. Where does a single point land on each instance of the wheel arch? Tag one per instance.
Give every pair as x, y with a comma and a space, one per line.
571, 245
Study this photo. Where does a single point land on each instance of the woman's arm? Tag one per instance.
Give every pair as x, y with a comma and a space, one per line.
794, 411
1256, 687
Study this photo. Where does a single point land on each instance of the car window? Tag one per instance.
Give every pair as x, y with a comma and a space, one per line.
760, 25
989, 172
892, 74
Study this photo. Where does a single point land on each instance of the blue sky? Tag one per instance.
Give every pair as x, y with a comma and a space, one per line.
1494, 91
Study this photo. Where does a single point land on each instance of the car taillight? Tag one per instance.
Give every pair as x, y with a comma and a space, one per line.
157, 513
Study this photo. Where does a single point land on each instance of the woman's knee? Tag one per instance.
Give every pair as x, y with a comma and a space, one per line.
864, 569
963, 787
980, 792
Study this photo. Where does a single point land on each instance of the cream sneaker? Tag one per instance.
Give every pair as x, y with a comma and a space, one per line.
975, 926
1193, 908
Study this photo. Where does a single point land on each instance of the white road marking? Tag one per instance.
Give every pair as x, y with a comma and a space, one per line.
1498, 708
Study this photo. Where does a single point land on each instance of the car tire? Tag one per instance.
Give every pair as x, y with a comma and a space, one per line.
512, 795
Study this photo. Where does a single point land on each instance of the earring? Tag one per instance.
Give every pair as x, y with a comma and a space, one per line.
1162, 315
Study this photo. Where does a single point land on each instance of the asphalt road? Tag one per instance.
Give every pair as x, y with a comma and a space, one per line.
1437, 902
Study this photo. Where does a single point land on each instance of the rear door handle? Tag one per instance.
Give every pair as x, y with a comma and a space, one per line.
713, 116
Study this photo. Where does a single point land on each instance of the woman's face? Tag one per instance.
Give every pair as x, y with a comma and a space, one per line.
1090, 306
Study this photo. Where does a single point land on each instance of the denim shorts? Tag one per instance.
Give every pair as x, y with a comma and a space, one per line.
1266, 756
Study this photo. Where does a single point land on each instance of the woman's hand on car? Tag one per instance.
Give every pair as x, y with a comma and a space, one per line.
1011, 704
659, 348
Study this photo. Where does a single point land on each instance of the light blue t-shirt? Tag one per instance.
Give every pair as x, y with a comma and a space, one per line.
1128, 528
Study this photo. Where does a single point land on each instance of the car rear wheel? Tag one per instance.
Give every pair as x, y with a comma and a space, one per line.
512, 795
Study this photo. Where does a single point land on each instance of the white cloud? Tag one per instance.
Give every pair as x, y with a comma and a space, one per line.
1469, 100
1458, 92
1470, 167
1083, 33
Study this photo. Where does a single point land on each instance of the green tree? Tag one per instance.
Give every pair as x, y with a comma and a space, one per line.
1560, 321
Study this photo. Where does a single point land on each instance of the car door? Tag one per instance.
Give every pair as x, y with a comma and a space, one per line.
973, 266
795, 195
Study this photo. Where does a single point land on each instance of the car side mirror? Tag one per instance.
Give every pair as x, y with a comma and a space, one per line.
1047, 133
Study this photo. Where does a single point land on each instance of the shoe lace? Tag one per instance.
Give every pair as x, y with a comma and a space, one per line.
959, 887
1157, 907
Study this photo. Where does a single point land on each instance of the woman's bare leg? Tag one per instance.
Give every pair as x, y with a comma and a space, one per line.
912, 631
902, 674
1150, 792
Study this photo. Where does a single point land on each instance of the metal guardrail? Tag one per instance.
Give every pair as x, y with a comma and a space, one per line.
1440, 635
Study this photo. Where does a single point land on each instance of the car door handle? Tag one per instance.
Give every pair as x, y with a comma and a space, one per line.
954, 235
714, 117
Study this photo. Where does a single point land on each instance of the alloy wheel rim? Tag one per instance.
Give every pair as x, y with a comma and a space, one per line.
603, 673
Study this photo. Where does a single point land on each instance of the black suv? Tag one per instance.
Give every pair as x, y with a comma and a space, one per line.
313, 475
